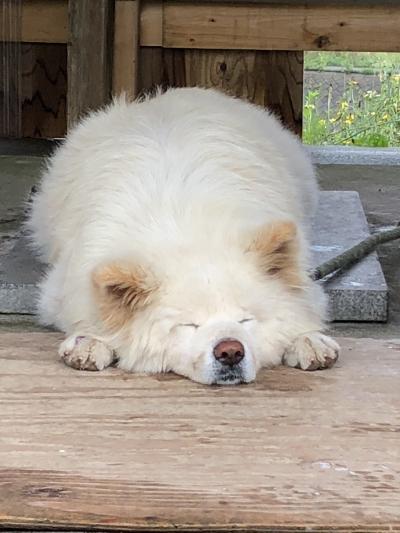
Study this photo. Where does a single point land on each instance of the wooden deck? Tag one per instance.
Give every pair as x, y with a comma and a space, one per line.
295, 451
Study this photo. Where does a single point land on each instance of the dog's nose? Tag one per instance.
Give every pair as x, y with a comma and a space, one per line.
229, 352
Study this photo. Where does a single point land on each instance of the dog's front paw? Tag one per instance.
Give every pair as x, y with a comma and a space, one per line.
312, 351
85, 353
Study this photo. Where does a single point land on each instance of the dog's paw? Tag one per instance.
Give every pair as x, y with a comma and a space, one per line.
85, 353
313, 351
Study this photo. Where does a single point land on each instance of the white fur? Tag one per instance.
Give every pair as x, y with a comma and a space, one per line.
176, 183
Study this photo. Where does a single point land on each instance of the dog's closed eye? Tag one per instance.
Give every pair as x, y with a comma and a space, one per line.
245, 320
190, 325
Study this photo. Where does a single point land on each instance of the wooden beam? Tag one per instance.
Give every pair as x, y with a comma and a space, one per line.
275, 27
258, 25
296, 25
126, 47
89, 56
42, 21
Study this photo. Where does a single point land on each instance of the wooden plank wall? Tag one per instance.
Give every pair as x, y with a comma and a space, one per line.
323, 26
271, 79
233, 46
33, 75
33, 91
44, 90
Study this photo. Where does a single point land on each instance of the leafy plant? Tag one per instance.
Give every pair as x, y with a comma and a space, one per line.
360, 118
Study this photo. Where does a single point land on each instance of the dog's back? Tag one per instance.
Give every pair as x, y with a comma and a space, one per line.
185, 164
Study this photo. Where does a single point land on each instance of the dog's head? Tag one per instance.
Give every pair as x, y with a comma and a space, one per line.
214, 320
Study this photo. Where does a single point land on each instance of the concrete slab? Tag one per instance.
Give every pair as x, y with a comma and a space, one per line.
360, 294
354, 155
20, 273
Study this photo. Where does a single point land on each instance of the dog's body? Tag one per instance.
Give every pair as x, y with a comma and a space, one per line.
175, 228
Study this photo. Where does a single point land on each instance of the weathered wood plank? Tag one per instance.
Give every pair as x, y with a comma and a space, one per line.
295, 451
271, 79
89, 56
151, 22
44, 90
281, 86
126, 47
42, 21
151, 68
10, 69
276, 27
47, 21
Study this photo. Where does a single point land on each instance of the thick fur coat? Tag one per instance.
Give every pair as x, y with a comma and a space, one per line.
173, 225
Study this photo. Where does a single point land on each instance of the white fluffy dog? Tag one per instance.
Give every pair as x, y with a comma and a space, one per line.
176, 234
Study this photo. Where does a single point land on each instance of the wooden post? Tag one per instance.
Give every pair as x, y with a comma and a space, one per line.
89, 56
10, 69
126, 47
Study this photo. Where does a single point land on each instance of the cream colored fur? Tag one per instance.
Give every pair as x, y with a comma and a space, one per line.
173, 193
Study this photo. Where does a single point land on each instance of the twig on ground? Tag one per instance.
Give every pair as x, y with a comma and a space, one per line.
354, 254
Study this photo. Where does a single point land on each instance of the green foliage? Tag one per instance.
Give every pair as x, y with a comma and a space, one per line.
366, 62
360, 118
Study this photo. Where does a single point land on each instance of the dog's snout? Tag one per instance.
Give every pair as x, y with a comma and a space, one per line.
229, 352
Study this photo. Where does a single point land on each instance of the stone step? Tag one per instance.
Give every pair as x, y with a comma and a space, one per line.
359, 294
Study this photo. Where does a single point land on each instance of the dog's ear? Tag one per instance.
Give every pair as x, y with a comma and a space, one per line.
120, 289
276, 247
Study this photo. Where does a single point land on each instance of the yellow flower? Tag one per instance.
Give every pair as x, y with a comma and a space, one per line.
353, 82
344, 105
349, 119
396, 77
385, 116
322, 122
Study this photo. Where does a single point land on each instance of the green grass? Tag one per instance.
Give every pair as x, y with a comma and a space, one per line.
360, 118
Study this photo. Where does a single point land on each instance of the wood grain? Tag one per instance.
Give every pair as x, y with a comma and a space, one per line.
44, 90
91, 26
295, 451
42, 21
151, 22
270, 79
372, 28
10, 69
126, 47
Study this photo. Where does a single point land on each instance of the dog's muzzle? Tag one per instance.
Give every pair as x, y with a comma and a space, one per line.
228, 354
